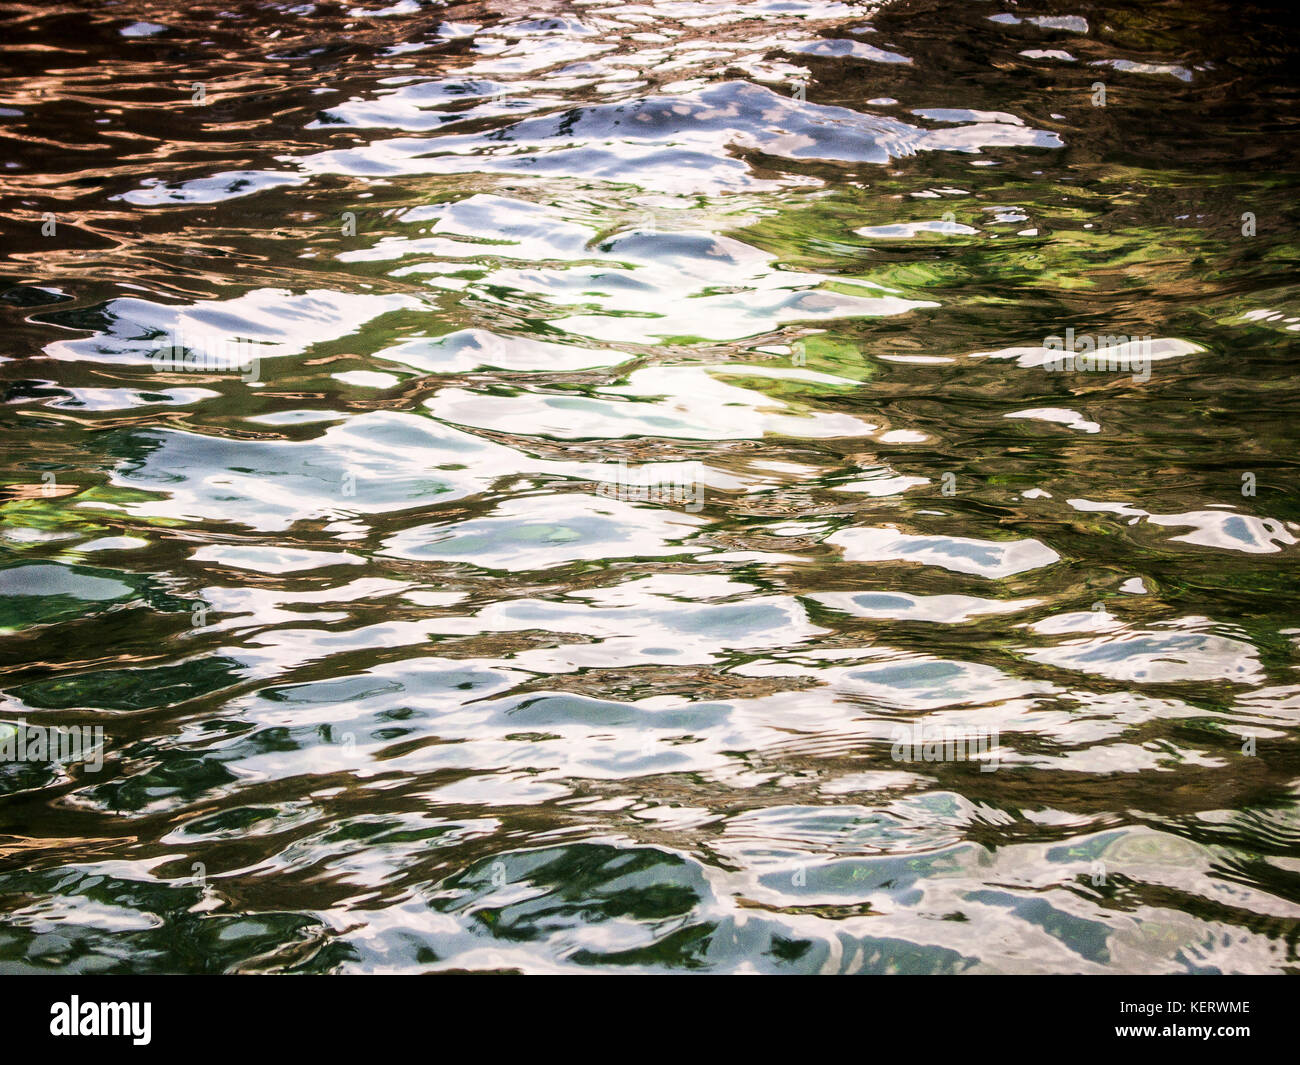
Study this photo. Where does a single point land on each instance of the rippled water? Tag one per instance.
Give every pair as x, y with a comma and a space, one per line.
512, 485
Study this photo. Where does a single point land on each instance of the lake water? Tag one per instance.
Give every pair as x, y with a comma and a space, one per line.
787, 486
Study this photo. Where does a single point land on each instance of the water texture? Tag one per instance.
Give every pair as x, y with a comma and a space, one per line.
599, 487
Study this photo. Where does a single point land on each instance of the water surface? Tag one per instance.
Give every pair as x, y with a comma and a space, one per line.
504, 480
